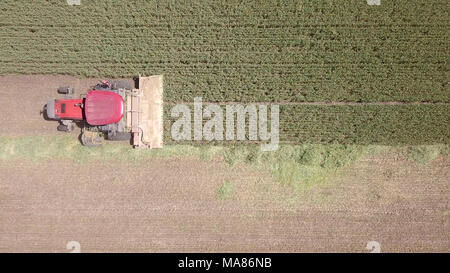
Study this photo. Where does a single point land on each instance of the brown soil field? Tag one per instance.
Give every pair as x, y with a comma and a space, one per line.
24, 96
172, 205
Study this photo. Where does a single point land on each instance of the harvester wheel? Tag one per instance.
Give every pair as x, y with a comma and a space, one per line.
62, 128
91, 140
66, 126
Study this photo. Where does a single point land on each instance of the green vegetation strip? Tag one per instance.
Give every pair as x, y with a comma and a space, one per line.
362, 125
297, 166
359, 125
69, 147
244, 51
225, 191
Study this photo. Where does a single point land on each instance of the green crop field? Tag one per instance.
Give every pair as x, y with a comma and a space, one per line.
257, 51
357, 124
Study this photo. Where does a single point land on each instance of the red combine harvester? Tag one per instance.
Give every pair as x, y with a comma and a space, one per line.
113, 111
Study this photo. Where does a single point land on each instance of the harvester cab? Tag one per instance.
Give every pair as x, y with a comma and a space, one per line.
113, 111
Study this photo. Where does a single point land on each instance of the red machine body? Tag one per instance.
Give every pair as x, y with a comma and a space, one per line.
100, 113
69, 109
103, 107
100, 107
